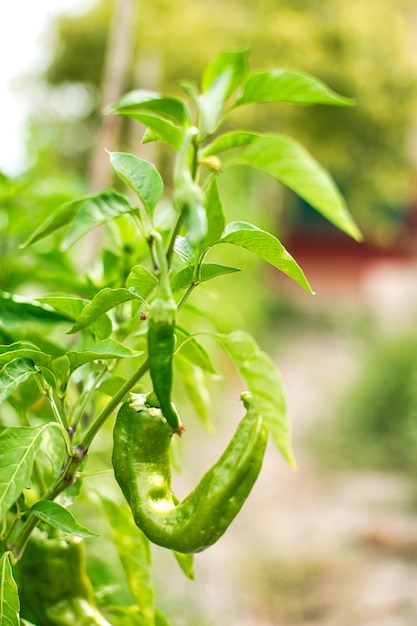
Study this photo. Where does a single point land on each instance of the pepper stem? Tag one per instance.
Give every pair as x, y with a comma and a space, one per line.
165, 291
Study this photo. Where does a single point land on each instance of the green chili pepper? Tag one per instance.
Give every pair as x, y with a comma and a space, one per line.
142, 467
54, 588
161, 339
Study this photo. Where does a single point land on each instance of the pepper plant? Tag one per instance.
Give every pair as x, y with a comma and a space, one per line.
119, 343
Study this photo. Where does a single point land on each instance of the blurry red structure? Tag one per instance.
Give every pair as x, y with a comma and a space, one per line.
336, 264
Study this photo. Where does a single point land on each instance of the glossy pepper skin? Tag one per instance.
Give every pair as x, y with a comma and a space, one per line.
161, 342
54, 587
161, 339
142, 467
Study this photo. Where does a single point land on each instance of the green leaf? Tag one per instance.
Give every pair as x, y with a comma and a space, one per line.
215, 216
82, 215
267, 247
221, 77
18, 448
195, 387
160, 619
60, 518
57, 220
208, 271
53, 451
264, 382
286, 160
135, 556
193, 351
142, 281
234, 63
158, 129
107, 349
24, 350
70, 306
16, 311
95, 211
13, 374
104, 300
152, 103
73, 307
141, 176
111, 384
195, 222
228, 141
284, 85
9, 596
184, 250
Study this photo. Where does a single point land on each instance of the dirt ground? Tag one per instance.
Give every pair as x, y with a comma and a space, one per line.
310, 548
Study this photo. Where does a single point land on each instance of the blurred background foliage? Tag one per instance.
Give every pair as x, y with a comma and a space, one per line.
376, 424
363, 50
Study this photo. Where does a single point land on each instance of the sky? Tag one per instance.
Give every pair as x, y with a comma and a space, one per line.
26, 39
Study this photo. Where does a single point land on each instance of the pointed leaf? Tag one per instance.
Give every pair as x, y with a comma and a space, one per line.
24, 350
86, 212
184, 250
186, 563
94, 211
111, 384
142, 281
210, 104
152, 103
16, 311
18, 447
228, 141
141, 176
107, 349
9, 596
284, 85
105, 300
193, 351
195, 386
234, 63
267, 247
60, 518
195, 221
13, 374
73, 307
220, 79
286, 160
264, 382
216, 220
158, 129
135, 556
160, 619
60, 218
184, 278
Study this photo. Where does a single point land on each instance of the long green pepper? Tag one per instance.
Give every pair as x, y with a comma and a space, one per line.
161, 339
142, 467
53, 583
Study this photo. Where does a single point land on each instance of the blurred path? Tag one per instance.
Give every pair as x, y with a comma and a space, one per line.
311, 548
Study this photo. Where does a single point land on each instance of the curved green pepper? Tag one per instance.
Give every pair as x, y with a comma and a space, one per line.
142, 467
161, 339
54, 588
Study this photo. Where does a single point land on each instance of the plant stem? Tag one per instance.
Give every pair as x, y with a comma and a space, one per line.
112, 405
46, 389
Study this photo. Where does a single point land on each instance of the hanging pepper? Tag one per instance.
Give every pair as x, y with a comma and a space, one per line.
161, 339
142, 467
53, 583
